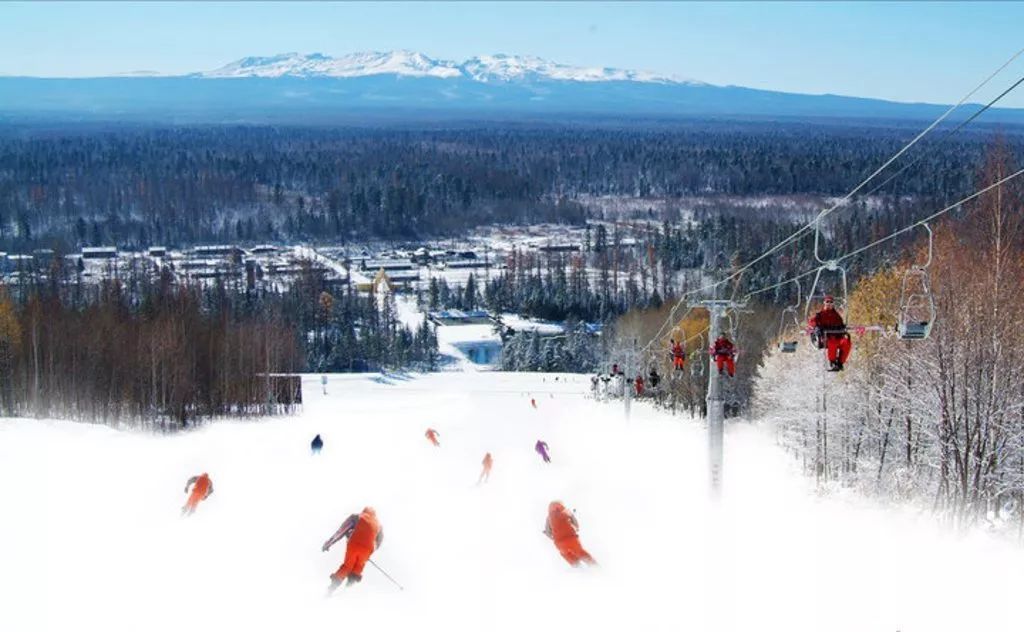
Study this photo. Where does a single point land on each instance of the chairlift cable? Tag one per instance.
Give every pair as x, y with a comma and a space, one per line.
813, 223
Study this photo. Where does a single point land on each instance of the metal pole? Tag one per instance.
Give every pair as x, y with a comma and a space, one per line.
383, 572
714, 402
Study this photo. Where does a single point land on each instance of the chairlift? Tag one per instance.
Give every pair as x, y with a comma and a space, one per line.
917, 303
790, 317
697, 366
832, 265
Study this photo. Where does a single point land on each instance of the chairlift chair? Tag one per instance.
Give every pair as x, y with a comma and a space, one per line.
790, 317
917, 303
697, 365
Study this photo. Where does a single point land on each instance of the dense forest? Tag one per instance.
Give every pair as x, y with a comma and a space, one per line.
141, 349
140, 186
940, 421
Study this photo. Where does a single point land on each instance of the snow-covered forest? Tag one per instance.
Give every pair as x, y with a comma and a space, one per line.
938, 422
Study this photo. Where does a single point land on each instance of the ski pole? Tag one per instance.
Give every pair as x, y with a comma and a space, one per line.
383, 572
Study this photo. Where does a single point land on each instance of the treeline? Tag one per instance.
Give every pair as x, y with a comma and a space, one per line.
577, 351
938, 421
141, 348
135, 187
154, 359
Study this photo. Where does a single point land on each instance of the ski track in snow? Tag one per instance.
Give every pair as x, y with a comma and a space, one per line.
91, 538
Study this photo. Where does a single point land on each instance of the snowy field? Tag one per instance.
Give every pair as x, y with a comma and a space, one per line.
91, 537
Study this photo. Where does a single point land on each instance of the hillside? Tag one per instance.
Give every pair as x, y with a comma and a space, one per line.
98, 542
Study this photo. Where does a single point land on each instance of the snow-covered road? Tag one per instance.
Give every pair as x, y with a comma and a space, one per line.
91, 539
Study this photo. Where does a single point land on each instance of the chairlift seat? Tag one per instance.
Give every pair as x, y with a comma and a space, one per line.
915, 330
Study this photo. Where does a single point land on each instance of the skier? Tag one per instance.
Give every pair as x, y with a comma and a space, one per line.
202, 487
542, 449
316, 445
432, 437
563, 529
828, 324
653, 378
485, 475
533, 402
365, 536
638, 384
725, 355
678, 355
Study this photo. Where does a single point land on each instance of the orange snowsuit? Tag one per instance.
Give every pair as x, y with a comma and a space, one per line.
564, 530
678, 356
432, 437
201, 488
486, 473
363, 539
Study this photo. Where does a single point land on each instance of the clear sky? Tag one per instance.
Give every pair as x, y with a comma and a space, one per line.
913, 51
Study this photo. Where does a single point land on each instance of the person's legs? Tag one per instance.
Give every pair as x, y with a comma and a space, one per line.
832, 348
352, 554
845, 346
573, 552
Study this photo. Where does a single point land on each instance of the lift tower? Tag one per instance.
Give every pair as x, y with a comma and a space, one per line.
715, 403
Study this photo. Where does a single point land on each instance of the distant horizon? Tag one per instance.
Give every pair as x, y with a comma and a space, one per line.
149, 73
901, 52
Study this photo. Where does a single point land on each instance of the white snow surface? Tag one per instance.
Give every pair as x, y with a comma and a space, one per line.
483, 68
91, 538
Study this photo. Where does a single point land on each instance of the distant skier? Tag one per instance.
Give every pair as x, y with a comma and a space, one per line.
533, 402
828, 324
365, 536
323, 383
638, 384
432, 436
542, 449
725, 355
485, 475
202, 487
563, 529
653, 378
678, 355
316, 445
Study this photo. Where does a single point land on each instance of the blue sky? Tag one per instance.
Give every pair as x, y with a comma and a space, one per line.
902, 51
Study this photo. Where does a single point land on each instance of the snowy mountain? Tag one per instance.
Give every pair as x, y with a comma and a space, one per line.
485, 68
404, 63
407, 86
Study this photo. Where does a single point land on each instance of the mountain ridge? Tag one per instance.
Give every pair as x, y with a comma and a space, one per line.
406, 85
498, 67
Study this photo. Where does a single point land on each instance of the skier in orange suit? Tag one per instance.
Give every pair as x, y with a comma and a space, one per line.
563, 529
485, 475
432, 436
365, 536
202, 487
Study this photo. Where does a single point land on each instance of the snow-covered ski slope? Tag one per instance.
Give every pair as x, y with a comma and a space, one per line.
91, 538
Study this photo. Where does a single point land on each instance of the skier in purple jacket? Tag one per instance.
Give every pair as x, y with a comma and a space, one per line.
542, 450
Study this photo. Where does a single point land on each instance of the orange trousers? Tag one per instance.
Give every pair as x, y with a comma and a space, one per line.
726, 362
677, 362
573, 551
193, 500
838, 348
355, 559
